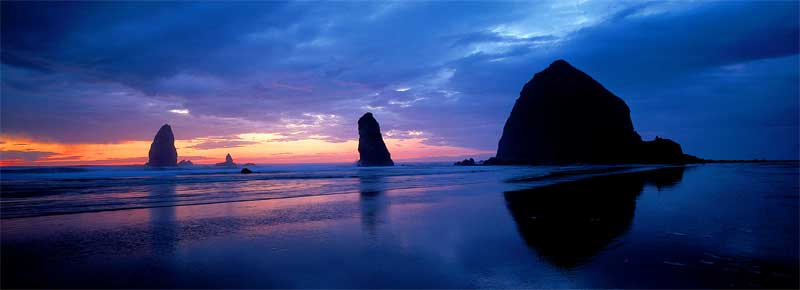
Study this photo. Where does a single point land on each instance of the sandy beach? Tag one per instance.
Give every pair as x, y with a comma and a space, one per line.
708, 226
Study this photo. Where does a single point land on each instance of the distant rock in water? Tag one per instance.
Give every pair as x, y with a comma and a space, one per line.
249, 164
246, 171
564, 116
228, 161
466, 162
184, 162
162, 150
371, 149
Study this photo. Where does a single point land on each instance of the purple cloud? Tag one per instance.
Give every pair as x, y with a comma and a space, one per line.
449, 70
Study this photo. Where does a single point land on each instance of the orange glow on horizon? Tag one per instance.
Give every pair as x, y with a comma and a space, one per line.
252, 148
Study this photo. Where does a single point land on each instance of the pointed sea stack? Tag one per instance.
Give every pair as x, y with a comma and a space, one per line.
564, 116
371, 149
228, 161
162, 150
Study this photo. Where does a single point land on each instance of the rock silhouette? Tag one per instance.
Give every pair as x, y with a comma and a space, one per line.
662, 150
228, 161
185, 163
371, 149
162, 150
246, 171
564, 116
466, 162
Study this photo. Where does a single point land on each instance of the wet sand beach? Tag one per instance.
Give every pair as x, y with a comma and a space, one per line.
707, 226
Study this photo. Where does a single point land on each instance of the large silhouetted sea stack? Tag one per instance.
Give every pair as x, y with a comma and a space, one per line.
371, 149
564, 116
162, 150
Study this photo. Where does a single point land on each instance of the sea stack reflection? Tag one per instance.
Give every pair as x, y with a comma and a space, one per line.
371, 149
162, 150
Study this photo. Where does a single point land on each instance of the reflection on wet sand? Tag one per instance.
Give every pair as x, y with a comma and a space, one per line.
164, 233
567, 224
372, 202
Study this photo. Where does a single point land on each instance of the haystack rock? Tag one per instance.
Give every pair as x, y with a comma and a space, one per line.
228, 161
564, 116
371, 149
162, 150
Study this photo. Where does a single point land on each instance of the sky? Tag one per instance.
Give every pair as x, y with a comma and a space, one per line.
285, 82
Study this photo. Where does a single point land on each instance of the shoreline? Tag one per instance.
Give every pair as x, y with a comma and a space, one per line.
650, 222
550, 178
399, 163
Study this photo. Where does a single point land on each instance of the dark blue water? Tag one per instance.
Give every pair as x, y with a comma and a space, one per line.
34, 191
418, 226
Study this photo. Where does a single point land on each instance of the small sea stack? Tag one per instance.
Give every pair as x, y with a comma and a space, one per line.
466, 162
371, 148
162, 150
228, 161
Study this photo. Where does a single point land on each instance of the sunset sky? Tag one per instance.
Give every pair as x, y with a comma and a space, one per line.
285, 82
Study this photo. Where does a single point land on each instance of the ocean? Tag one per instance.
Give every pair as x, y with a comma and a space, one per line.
417, 225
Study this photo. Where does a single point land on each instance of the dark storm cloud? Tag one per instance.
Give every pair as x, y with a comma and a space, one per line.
673, 67
674, 44
449, 72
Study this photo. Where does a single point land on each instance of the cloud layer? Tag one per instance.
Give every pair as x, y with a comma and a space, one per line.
719, 77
